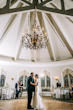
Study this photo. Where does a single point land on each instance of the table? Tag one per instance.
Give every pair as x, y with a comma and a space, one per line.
59, 91
0, 91
7, 94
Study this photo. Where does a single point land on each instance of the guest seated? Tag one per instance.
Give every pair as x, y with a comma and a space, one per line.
18, 91
72, 91
64, 86
16, 85
21, 88
58, 84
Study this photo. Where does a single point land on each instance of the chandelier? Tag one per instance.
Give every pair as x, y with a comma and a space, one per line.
37, 39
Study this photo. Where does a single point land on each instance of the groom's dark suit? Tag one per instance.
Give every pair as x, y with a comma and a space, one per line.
30, 89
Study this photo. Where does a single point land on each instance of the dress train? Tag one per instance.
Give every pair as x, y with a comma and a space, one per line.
37, 100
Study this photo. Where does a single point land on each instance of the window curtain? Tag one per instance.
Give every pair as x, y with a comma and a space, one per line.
68, 77
47, 81
25, 81
66, 81
2, 80
67, 71
21, 79
43, 82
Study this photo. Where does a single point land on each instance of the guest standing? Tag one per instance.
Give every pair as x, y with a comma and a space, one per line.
72, 91
58, 84
21, 88
16, 88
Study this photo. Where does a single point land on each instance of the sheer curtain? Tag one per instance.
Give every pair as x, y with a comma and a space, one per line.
2, 80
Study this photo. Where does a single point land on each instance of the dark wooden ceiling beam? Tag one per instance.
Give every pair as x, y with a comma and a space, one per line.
39, 7
13, 2
70, 10
62, 5
16, 10
27, 2
47, 10
44, 2
8, 4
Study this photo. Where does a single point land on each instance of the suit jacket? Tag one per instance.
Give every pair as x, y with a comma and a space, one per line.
16, 86
58, 84
29, 86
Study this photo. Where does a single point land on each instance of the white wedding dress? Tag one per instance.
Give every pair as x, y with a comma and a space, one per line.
37, 100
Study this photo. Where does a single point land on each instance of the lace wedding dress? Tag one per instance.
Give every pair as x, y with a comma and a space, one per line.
37, 100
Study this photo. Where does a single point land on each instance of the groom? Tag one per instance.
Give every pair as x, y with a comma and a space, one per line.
30, 89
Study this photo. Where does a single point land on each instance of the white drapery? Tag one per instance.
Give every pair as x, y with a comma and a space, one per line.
3, 72
67, 71
45, 73
24, 72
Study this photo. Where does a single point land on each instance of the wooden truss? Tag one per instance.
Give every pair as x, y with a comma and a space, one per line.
40, 6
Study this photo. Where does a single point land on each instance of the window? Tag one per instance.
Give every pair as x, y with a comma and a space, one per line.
71, 79
3, 77
23, 75
48, 81
2, 80
21, 79
68, 77
25, 81
43, 82
66, 81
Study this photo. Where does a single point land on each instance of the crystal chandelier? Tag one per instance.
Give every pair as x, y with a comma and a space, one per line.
36, 39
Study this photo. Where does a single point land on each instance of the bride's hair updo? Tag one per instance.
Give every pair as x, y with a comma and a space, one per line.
36, 75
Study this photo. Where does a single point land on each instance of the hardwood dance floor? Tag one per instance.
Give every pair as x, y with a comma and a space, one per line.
21, 104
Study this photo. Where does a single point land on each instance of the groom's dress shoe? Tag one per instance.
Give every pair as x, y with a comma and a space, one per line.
30, 108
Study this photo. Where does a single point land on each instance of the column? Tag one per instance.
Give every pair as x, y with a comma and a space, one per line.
69, 80
24, 80
45, 81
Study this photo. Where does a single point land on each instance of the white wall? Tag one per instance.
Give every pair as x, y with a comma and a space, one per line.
13, 70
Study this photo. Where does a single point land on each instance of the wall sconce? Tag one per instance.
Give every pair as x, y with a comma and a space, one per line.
42, 75
12, 78
56, 78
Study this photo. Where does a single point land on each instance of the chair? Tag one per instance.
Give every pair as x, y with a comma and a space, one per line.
3, 94
13, 93
67, 93
54, 95
0, 93
62, 95
8, 94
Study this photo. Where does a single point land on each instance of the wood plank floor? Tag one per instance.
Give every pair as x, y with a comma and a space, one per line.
21, 104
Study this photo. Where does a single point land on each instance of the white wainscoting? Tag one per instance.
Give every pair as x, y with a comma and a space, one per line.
24, 93
42, 94
46, 93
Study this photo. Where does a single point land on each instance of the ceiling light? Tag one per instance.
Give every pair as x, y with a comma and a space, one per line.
37, 39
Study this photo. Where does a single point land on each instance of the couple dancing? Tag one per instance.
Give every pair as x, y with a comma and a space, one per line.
32, 86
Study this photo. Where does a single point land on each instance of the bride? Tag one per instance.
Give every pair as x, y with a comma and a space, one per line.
37, 100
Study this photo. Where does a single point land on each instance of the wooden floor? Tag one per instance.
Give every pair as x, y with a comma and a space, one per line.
21, 104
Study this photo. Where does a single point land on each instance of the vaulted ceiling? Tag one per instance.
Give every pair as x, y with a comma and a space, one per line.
55, 16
